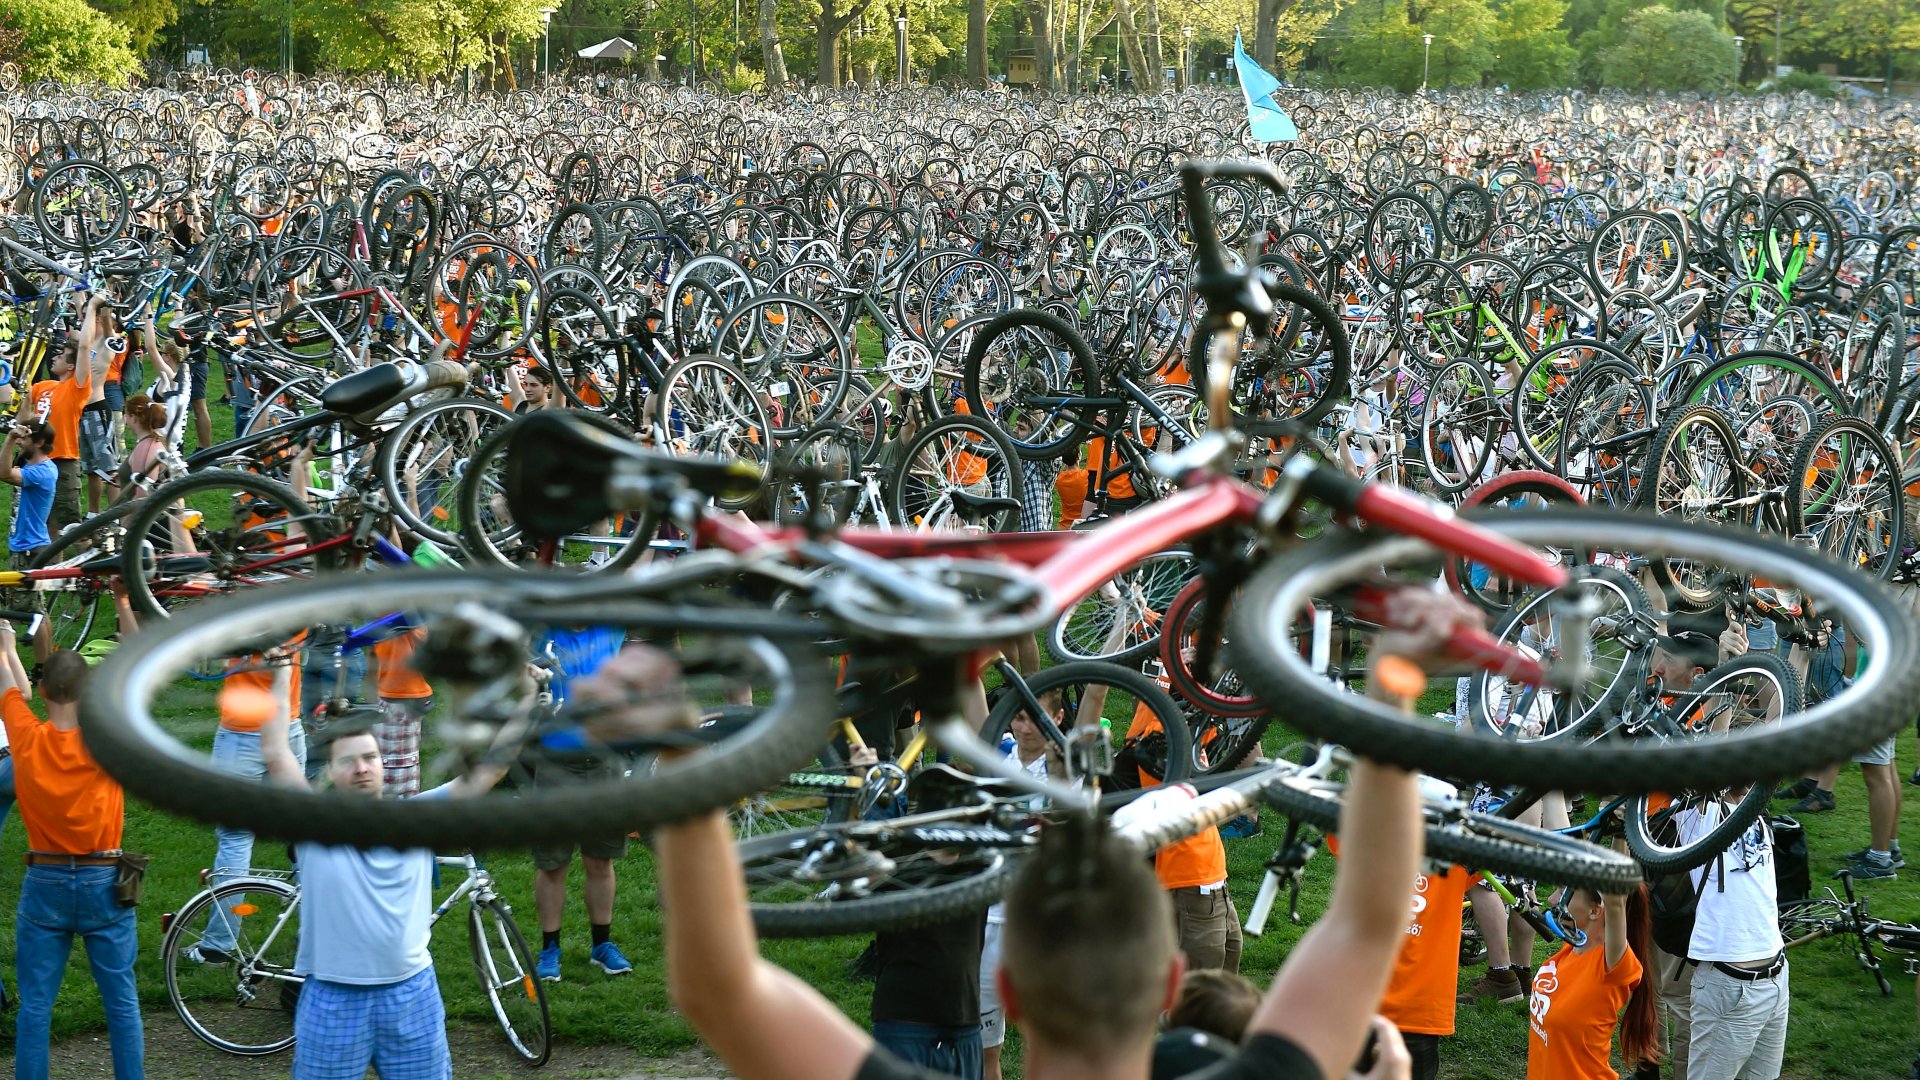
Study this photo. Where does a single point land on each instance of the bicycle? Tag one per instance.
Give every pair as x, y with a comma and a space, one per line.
239, 995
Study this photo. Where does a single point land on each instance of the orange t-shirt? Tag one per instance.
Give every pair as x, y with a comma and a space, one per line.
1200, 859
1118, 487
1575, 1006
261, 678
397, 679
71, 806
1072, 486
58, 402
116, 366
1420, 997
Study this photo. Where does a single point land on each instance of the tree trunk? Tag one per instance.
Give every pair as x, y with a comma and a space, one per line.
1266, 30
826, 68
1039, 13
1076, 59
1156, 54
977, 43
506, 61
770, 55
1143, 79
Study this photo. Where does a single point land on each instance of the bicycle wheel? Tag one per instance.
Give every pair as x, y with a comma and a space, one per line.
490, 537
1693, 473
581, 347
1521, 491
1223, 736
1845, 489
1029, 373
237, 991
504, 966
1121, 620
1741, 384
1092, 691
422, 462
1653, 832
219, 532
721, 653
1876, 705
1459, 835
1457, 426
708, 406
862, 877
958, 473
1610, 412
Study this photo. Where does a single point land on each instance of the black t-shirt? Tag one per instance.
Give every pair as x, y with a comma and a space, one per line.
931, 974
1264, 1057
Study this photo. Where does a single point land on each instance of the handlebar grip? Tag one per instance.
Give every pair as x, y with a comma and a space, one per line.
1262, 908
11, 578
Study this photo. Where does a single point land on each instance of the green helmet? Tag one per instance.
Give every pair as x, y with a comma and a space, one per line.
97, 650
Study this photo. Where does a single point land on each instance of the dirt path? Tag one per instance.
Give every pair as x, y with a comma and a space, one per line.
478, 1054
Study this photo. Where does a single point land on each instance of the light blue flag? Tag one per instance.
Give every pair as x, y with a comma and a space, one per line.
1269, 121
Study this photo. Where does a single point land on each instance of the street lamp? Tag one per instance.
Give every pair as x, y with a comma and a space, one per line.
546, 36
1187, 32
1426, 60
1739, 56
900, 49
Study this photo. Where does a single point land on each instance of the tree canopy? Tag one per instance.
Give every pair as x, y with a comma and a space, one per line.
65, 39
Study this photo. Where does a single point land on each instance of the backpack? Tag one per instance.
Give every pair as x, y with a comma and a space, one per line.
1792, 876
1673, 902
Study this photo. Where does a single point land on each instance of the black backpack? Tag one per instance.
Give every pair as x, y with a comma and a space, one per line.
1792, 876
1673, 901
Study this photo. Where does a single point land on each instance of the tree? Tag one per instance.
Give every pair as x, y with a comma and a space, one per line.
1530, 45
977, 16
1463, 35
144, 19
1661, 49
828, 28
66, 40
1377, 46
774, 62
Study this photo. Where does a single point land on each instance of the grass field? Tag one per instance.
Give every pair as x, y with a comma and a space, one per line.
1841, 1028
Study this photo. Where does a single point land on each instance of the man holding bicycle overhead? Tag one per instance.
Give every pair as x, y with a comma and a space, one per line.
1089, 959
370, 998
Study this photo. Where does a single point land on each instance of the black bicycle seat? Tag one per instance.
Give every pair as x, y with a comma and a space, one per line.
977, 508
364, 390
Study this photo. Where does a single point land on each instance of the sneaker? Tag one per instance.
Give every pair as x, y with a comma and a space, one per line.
1240, 828
1899, 861
1815, 802
1799, 789
548, 966
1525, 975
206, 954
608, 958
1871, 868
1914, 779
1502, 985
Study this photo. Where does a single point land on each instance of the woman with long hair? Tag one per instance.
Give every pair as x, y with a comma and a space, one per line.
1579, 994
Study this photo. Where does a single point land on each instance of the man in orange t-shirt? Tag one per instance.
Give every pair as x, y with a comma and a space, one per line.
406, 698
74, 814
1194, 874
1420, 999
58, 402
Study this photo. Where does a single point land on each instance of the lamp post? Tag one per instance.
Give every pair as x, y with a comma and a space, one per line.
1739, 56
1187, 33
900, 48
546, 37
1426, 60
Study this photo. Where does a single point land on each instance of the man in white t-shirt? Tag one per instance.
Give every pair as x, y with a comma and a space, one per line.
1739, 998
370, 998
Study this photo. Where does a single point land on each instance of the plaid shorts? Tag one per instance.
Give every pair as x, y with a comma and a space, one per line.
400, 1029
399, 739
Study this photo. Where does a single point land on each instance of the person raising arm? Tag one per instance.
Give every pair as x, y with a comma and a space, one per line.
1086, 1008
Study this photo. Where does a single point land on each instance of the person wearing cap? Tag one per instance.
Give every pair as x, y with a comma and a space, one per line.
74, 814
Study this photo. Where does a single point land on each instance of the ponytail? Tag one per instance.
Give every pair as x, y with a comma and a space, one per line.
1640, 1023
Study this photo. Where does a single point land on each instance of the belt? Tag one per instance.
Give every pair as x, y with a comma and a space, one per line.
1209, 890
1773, 968
43, 858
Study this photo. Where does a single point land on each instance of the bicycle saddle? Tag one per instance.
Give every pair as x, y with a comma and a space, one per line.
975, 509
371, 389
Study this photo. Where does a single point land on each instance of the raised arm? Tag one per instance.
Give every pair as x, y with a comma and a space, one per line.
1327, 992
282, 767
762, 1021
9, 472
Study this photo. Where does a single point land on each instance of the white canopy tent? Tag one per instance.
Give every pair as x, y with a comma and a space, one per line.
611, 49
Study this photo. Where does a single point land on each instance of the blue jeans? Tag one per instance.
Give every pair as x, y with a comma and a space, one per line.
238, 752
953, 1051
57, 902
6, 788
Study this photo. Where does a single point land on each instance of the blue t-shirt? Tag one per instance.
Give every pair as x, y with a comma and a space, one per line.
579, 653
364, 914
31, 507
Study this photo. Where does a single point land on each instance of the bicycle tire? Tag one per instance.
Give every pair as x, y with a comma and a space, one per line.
171, 946
1146, 692
131, 745
533, 1047
1811, 510
150, 514
914, 494
878, 911
1658, 857
490, 538
1484, 842
1877, 705
1208, 695
406, 504
1151, 587
1081, 379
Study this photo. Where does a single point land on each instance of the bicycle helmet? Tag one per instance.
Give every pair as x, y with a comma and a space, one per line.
97, 650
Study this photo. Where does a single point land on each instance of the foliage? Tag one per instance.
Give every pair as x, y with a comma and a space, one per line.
144, 19
1383, 42
414, 37
1811, 82
1661, 49
1530, 48
66, 40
